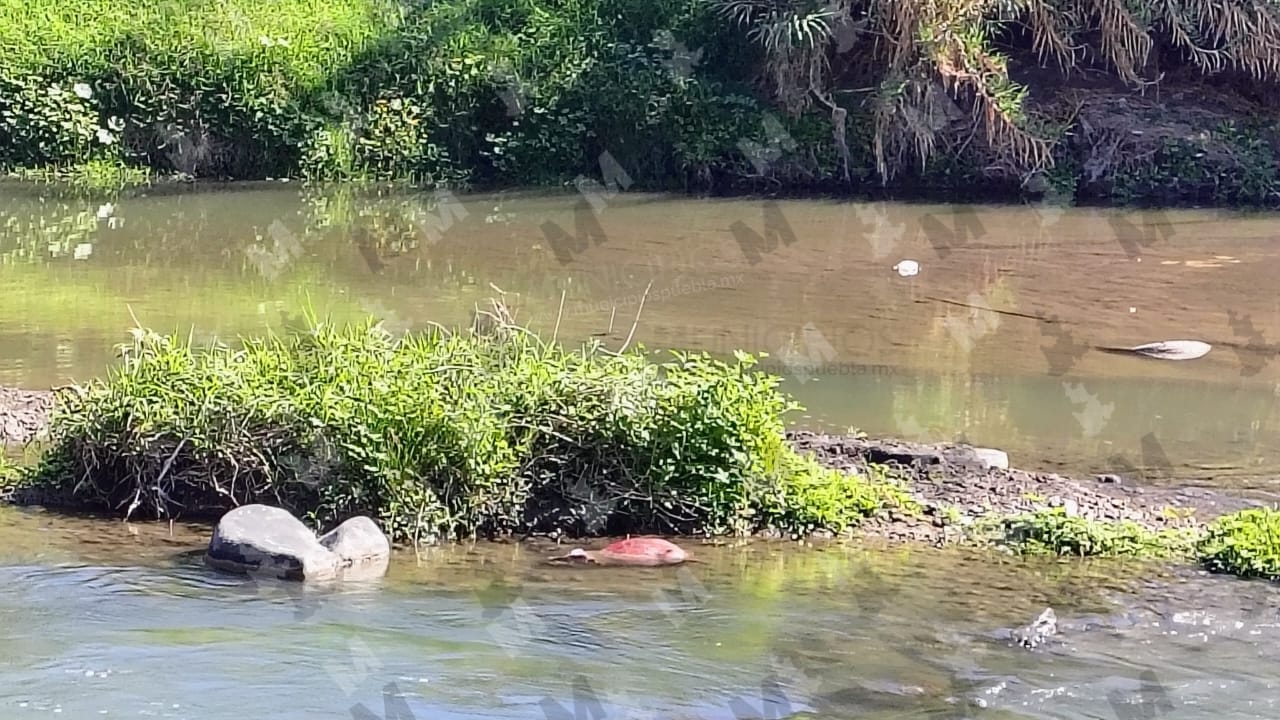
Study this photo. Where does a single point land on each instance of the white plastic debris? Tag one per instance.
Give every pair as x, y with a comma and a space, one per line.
907, 268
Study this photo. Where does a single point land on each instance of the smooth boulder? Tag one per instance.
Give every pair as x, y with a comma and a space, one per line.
357, 541
270, 541
992, 457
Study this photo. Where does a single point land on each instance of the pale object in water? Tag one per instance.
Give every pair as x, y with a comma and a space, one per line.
907, 268
1167, 349
1039, 631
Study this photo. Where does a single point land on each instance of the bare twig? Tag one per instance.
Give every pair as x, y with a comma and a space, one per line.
636, 322
560, 314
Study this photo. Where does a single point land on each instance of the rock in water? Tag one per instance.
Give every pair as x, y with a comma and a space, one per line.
1045, 626
357, 541
993, 458
269, 540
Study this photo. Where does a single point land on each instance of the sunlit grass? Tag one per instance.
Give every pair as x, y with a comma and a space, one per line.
308, 38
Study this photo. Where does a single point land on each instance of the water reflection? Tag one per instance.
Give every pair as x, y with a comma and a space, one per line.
991, 341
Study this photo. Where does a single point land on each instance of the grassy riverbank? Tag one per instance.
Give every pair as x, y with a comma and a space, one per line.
725, 95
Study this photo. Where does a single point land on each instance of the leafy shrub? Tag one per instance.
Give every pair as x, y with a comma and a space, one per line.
445, 435
441, 94
50, 123
9, 473
1245, 543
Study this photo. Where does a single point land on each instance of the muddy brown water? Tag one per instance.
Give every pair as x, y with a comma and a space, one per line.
104, 618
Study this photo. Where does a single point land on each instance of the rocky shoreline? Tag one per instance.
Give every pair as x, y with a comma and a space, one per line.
956, 484
24, 414
947, 476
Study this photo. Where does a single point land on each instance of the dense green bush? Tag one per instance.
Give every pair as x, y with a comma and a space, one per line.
445, 435
442, 93
1246, 543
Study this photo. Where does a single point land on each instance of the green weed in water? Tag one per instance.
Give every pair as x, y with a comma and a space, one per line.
1246, 543
1053, 531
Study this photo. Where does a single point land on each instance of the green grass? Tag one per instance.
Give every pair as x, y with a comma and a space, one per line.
97, 176
1246, 543
320, 34
1051, 531
144, 70
368, 89
442, 436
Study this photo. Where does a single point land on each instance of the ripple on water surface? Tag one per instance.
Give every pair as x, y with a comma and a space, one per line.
758, 630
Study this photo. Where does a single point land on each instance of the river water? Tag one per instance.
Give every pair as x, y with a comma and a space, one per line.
103, 618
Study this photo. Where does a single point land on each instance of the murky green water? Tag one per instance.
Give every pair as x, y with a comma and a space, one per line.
112, 619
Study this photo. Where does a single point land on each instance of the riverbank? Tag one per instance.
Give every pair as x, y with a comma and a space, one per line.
104, 94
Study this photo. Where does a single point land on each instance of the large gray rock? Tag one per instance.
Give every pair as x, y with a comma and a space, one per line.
269, 541
919, 454
358, 541
992, 458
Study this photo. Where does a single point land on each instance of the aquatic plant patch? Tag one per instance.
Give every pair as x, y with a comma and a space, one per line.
1246, 543
445, 435
1053, 531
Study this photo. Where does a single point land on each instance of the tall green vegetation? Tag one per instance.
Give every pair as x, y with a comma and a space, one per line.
442, 93
443, 435
938, 70
771, 93
1246, 543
